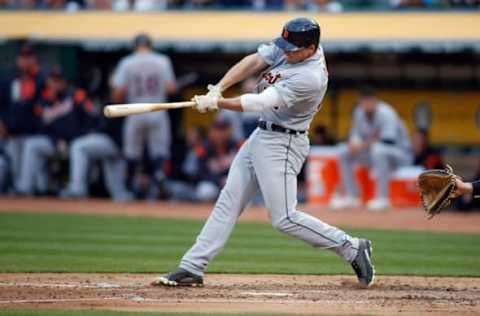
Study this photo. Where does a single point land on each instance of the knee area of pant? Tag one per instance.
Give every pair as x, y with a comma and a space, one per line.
32, 146
206, 191
77, 146
281, 223
343, 151
379, 150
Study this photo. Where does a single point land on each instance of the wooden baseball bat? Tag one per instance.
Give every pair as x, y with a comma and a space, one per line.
117, 110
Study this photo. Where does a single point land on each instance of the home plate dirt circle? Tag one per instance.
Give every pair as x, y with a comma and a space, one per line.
244, 293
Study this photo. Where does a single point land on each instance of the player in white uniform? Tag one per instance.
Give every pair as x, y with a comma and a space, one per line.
379, 139
294, 81
143, 77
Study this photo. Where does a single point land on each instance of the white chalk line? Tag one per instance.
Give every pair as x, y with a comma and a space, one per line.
226, 301
146, 300
278, 294
63, 285
60, 300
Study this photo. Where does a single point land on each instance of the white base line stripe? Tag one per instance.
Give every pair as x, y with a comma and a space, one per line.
160, 301
266, 294
95, 286
58, 300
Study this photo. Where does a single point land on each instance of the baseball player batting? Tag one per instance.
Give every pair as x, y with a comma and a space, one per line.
291, 87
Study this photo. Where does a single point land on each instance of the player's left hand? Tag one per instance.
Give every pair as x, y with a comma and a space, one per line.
462, 187
214, 91
438, 189
205, 103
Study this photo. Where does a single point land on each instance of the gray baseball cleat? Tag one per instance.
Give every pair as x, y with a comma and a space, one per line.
362, 264
179, 277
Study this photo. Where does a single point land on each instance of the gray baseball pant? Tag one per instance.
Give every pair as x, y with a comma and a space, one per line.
97, 147
33, 172
149, 128
269, 162
382, 159
3, 171
14, 148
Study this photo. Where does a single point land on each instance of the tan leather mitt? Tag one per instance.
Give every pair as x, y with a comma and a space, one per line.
437, 189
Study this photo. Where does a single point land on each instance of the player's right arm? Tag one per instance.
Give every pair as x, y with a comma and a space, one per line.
118, 82
245, 68
355, 140
170, 82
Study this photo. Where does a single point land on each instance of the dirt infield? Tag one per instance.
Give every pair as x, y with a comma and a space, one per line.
339, 295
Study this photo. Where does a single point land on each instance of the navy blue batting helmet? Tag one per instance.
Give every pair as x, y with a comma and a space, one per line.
298, 33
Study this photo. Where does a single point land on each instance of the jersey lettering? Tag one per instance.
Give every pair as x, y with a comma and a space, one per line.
145, 85
270, 78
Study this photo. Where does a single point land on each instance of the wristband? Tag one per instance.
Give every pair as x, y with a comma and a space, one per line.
476, 189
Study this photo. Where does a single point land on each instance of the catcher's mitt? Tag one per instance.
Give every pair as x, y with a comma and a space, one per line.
437, 189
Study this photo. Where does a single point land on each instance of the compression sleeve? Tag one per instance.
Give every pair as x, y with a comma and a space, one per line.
268, 98
476, 189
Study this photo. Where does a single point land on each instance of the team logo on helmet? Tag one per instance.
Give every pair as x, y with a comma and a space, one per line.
285, 34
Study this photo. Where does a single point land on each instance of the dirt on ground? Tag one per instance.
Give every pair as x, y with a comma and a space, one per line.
339, 295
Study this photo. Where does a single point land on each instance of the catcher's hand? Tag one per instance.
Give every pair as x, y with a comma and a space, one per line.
437, 189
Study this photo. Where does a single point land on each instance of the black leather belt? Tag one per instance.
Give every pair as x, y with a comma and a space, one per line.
277, 128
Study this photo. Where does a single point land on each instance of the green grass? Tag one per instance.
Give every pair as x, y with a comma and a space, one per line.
112, 313
76, 243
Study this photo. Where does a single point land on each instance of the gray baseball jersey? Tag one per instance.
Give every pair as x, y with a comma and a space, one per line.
302, 87
145, 74
386, 125
392, 151
270, 161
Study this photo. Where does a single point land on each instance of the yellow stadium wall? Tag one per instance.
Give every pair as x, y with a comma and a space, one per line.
238, 26
453, 113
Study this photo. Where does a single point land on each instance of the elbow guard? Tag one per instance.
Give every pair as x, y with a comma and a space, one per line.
269, 98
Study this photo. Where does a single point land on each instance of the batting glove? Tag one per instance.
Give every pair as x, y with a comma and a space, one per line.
214, 91
205, 103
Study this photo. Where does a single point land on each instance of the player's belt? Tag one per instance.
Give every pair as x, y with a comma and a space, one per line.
269, 126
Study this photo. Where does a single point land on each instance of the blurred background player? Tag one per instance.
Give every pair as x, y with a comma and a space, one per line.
4, 161
207, 163
215, 159
145, 76
321, 136
424, 154
378, 139
63, 116
104, 145
23, 90
183, 187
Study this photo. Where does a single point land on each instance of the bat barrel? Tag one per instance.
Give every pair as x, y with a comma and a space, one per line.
125, 109
118, 110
